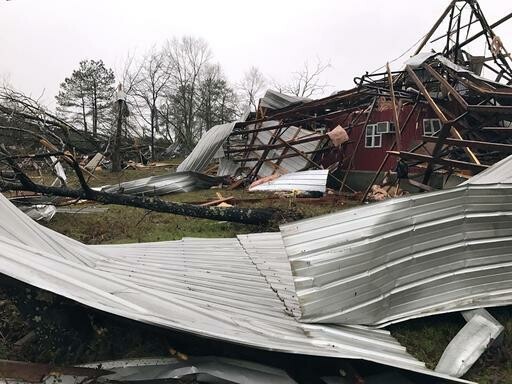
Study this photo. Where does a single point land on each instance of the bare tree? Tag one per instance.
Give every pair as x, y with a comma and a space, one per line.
307, 81
218, 101
148, 85
251, 87
27, 116
189, 57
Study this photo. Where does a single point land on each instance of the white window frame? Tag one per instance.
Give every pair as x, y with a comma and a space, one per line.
428, 127
372, 138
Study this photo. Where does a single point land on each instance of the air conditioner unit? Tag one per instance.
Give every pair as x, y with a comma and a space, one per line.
383, 127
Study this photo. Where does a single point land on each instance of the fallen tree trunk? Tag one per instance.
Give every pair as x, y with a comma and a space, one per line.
23, 182
233, 214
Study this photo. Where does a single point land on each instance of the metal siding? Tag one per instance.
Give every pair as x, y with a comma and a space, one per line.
403, 258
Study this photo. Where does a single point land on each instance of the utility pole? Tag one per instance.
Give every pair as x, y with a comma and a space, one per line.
121, 108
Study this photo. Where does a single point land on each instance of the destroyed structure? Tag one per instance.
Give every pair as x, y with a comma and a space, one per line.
325, 286
438, 115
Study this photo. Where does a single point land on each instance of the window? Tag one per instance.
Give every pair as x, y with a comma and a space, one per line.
373, 138
431, 127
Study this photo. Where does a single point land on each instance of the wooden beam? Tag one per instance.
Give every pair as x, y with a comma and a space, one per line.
447, 85
491, 109
447, 162
395, 113
427, 96
275, 146
497, 129
362, 134
482, 32
467, 150
505, 148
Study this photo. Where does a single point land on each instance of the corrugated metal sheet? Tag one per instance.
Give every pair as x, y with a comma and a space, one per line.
210, 287
164, 184
227, 167
266, 251
308, 181
206, 148
276, 100
39, 212
404, 258
501, 172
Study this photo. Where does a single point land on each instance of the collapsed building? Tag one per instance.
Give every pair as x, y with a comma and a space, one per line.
438, 118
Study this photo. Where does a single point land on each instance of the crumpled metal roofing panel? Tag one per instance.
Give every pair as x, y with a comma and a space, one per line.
164, 184
404, 258
501, 172
278, 100
206, 148
209, 287
308, 181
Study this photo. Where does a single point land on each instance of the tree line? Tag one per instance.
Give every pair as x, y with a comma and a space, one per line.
175, 91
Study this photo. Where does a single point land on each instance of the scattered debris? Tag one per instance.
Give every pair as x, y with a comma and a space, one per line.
39, 212
220, 200
319, 287
23, 372
94, 162
208, 369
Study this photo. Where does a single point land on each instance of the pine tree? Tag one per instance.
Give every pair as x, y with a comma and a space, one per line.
85, 97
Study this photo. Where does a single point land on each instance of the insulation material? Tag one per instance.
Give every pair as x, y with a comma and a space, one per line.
338, 136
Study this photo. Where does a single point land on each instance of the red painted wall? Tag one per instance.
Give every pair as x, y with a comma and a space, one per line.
369, 159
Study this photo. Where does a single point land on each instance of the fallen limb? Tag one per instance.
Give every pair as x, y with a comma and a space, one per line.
232, 214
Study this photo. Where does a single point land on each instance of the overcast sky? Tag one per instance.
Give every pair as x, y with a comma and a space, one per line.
42, 41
